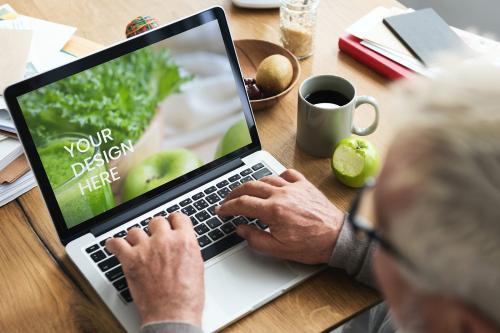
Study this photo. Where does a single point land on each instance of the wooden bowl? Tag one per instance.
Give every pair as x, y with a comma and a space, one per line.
250, 53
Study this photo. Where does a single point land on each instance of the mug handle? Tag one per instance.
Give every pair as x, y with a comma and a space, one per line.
370, 129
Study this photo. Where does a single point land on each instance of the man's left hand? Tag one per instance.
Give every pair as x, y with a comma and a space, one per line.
164, 271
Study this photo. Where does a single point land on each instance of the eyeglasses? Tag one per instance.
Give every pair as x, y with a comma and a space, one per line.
366, 229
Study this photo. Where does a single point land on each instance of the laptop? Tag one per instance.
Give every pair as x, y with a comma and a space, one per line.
153, 125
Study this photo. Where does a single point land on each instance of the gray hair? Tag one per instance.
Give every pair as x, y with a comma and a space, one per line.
451, 229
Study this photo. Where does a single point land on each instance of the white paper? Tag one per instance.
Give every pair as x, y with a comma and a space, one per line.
371, 28
10, 149
15, 46
48, 37
58, 59
388, 53
6, 123
3, 106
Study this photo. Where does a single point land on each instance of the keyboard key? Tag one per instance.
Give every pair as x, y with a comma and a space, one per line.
108, 263
234, 185
213, 198
92, 248
200, 204
202, 216
107, 252
216, 234
103, 242
223, 192
120, 284
194, 221
161, 213
228, 227
185, 202
240, 220
115, 273
189, 210
134, 226
173, 208
261, 173
210, 190
145, 222
222, 184
146, 230
198, 196
246, 179
226, 218
257, 166
220, 246
126, 296
214, 222
122, 233
204, 241
98, 256
246, 172
211, 210
201, 229
234, 178
261, 225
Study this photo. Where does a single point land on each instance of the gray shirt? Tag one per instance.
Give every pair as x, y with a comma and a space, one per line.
351, 254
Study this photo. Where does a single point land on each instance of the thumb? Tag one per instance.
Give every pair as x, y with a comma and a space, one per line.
259, 240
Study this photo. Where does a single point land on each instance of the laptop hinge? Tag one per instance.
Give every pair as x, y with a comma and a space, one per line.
165, 197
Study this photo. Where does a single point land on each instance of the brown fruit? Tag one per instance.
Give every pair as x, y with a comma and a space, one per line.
274, 74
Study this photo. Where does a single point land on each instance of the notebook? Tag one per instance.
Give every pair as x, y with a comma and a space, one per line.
426, 35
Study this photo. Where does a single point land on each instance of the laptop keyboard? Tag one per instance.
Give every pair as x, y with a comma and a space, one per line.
214, 234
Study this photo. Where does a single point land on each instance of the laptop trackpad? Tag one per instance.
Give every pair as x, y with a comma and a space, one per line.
246, 278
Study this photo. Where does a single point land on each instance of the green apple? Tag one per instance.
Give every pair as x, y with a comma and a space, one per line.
354, 161
158, 169
237, 136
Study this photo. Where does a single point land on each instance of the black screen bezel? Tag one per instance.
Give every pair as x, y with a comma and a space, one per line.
12, 92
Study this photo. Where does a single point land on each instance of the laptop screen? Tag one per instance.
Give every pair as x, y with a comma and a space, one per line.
125, 127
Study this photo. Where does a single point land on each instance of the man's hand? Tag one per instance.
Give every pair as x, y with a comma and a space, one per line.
164, 271
304, 224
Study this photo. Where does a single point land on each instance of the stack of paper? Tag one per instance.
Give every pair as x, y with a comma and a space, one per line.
29, 46
368, 38
10, 149
15, 177
6, 123
9, 192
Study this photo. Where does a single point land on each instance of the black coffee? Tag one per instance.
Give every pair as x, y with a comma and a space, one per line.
327, 96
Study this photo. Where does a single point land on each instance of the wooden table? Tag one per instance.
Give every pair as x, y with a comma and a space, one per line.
42, 291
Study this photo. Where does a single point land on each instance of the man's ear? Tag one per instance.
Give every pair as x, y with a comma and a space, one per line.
471, 320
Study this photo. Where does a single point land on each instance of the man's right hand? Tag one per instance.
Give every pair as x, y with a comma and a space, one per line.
304, 224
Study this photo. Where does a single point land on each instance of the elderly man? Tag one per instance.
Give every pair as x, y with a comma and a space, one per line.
435, 251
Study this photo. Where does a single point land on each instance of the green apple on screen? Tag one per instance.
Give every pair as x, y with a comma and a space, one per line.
237, 136
158, 169
354, 161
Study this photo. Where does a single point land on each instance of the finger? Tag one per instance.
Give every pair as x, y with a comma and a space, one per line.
136, 236
292, 175
274, 181
119, 247
244, 205
180, 221
260, 240
254, 188
158, 225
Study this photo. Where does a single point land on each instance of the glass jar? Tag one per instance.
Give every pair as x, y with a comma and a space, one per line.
297, 26
76, 207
